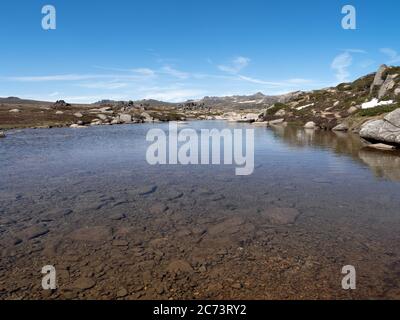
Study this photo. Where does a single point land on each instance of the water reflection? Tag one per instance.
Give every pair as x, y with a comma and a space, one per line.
384, 164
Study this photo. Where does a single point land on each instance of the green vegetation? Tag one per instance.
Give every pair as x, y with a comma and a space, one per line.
364, 83
344, 87
378, 110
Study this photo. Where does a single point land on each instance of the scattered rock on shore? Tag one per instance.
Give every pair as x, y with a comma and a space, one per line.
146, 117
102, 116
277, 122
261, 123
352, 110
125, 118
341, 127
96, 122
77, 126
106, 109
280, 113
386, 130
310, 125
381, 146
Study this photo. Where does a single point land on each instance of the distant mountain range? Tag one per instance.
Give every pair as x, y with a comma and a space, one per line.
15, 100
237, 101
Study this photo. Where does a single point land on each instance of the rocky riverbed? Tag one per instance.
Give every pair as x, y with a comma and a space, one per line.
114, 227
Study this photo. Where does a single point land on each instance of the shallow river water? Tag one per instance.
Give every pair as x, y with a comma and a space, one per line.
86, 202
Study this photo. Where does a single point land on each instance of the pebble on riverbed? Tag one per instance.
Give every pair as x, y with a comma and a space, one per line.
281, 216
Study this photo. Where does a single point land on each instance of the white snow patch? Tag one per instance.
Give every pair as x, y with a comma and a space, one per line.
306, 106
249, 101
375, 103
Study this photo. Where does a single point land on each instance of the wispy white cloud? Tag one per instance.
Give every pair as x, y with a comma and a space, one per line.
239, 63
343, 61
294, 82
174, 72
108, 85
236, 65
258, 81
366, 63
62, 77
355, 51
72, 77
300, 81
165, 82
394, 56
145, 71
340, 65
141, 71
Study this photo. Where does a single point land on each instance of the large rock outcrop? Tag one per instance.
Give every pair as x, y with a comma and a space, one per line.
378, 80
388, 85
386, 130
60, 104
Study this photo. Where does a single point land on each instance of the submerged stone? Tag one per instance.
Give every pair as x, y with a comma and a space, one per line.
281, 216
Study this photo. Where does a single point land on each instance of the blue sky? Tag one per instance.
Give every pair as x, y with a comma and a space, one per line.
175, 50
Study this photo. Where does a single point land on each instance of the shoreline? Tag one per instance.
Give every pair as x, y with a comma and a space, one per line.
367, 123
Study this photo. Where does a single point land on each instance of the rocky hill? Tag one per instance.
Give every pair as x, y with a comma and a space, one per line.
348, 104
237, 102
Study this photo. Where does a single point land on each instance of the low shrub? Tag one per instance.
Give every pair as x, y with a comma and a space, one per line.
378, 110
